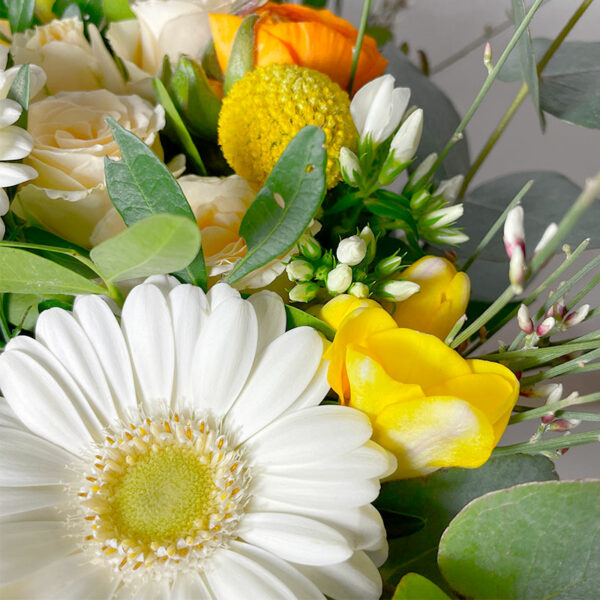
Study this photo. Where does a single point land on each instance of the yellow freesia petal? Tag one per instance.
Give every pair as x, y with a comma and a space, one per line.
354, 329
414, 357
371, 388
434, 432
336, 310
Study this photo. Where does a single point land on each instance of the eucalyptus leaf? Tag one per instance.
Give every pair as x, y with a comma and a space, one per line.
441, 118
20, 14
241, 59
19, 92
299, 318
117, 10
158, 244
285, 206
23, 272
534, 541
415, 587
436, 499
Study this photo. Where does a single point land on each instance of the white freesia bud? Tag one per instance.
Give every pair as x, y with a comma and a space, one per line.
423, 168
546, 326
448, 236
517, 270
444, 216
378, 107
359, 290
514, 231
339, 279
546, 237
407, 139
351, 250
450, 188
349, 165
299, 270
397, 290
388, 266
369, 237
304, 292
525, 322
309, 247
577, 316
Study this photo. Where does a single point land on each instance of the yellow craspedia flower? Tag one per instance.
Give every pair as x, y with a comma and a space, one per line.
269, 106
428, 405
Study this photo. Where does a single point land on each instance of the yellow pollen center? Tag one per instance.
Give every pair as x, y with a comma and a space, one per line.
163, 495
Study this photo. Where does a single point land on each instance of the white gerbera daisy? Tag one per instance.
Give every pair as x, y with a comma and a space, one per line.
182, 454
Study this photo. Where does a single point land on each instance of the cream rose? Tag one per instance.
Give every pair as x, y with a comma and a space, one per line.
69, 60
162, 27
71, 139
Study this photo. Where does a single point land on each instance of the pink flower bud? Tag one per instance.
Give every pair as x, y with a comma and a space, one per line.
558, 310
450, 255
517, 269
525, 322
514, 231
562, 425
548, 418
546, 326
577, 316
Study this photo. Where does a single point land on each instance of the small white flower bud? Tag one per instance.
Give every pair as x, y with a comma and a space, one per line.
388, 266
423, 168
309, 247
444, 216
546, 237
448, 236
397, 290
368, 236
450, 188
514, 231
525, 322
406, 141
420, 200
299, 270
554, 394
304, 292
577, 316
339, 279
517, 270
351, 250
349, 166
359, 290
546, 326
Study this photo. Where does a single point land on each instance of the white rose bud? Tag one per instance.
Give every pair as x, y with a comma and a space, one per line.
299, 270
339, 279
359, 290
351, 250
304, 292
397, 291
349, 165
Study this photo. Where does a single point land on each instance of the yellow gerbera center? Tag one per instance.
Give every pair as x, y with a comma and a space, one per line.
268, 107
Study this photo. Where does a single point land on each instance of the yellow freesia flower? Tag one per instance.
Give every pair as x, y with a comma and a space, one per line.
440, 302
428, 405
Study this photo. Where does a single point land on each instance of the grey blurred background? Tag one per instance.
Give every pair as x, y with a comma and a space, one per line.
442, 28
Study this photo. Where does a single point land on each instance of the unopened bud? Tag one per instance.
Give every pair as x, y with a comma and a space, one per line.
397, 290
562, 425
444, 216
304, 292
546, 326
423, 169
450, 188
577, 316
420, 200
514, 231
351, 250
300, 270
487, 57
547, 418
406, 141
309, 247
349, 166
339, 279
388, 266
554, 391
548, 234
447, 235
525, 322
450, 255
369, 237
359, 290
557, 310
517, 270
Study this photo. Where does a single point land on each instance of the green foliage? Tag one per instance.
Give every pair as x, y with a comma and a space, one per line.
415, 587
89, 11
299, 318
20, 14
23, 310
158, 244
241, 59
140, 185
117, 10
535, 541
435, 500
285, 206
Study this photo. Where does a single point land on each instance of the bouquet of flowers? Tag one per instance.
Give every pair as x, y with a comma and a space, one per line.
244, 294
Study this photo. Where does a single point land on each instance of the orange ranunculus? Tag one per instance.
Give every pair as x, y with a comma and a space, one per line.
293, 34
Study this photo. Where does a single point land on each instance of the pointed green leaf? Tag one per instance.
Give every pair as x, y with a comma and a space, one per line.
241, 59
20, 14
19, 92
117, 10
155, 245
416, 587
22, 272
285, 206
299, 318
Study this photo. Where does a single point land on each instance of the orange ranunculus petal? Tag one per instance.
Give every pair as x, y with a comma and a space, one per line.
372, 389
354, 329
414, 357
223, 28
434, 432
270, 50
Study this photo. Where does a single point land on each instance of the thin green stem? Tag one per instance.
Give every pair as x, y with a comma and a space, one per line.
538, 355
359, 41
455, 329
584, 292
548, 409
576, 365
578, 416
4, 328
565, 441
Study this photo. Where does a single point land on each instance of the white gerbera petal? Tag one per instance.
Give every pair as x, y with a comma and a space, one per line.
315, 391
15, 500
10, 111
190, 585
219, 293
283, 371
26, 547
270, 313
295, 538
7, 416
146, 323
225, 354
157, 590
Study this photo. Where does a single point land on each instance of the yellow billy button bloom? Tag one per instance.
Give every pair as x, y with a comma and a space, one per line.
439, 303
427, 404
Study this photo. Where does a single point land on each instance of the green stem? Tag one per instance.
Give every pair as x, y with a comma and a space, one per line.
521, 95
584, 292
576, 365
4, 328
359, 40
537, 413
565, 441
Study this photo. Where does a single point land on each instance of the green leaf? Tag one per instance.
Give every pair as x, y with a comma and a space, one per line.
176, 127
441, 116
23, 310
158, 244
436, 499
534, 541
19, 92
20, 14
22, 272
285, 206
416, 587
241, 59
140, 185
117, 10
527, 58
89, 11
299, 318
